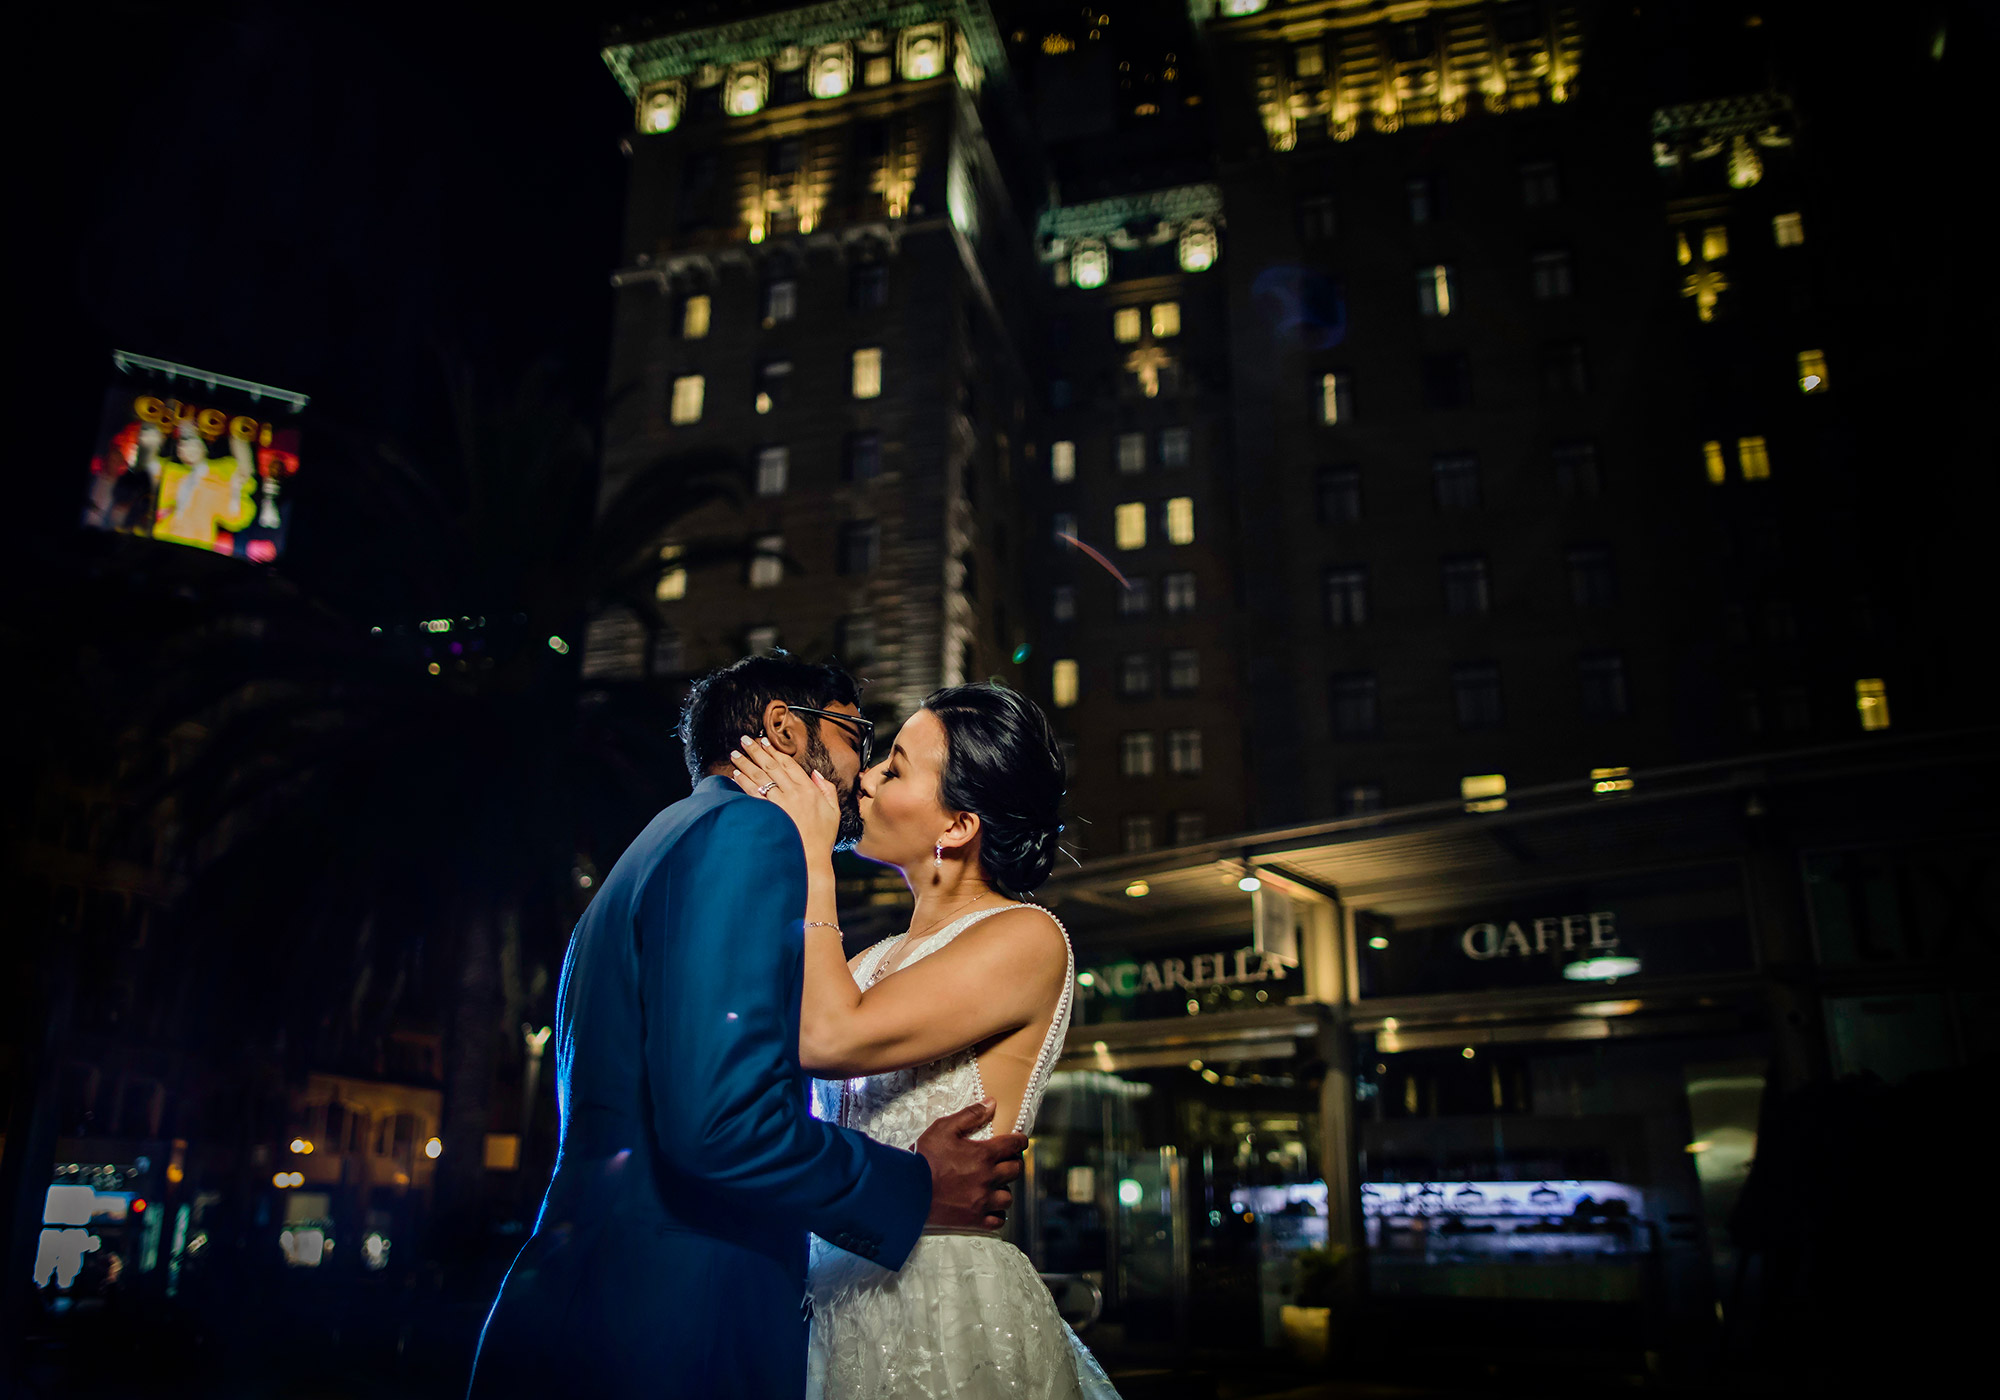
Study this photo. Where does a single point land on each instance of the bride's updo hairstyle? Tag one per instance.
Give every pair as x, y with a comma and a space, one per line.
1004, 765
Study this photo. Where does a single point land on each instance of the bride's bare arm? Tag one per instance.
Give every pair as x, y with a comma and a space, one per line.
999, 975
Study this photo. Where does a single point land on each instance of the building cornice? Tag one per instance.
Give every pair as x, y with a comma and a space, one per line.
1104, 218
1753, 114
683, 51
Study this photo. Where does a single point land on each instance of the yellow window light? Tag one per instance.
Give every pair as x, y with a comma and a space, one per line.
1603, 780
1484, 792
1166, 319
1129, 525
1063, 682
694, 318
1125, 324
1788, 230
1682, 253
1871, 700
1812, 372
1714, 243
1180, 520
1754, 458
1711, 456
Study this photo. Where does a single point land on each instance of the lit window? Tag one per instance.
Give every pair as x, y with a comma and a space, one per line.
1308, 61
1552, 276
761, 641
1062, 461
1180, 520
1434, 289
1174, 444
1129, 525
1063, 684
1135, 599
1125, 324
1353, 707
1090, 264
1754, 458
746, 89
773, 470
922, 52
1062, 603
781, 300
1131, 453
1135, 755
1345, 596
1336, 397
1198, 246
1682, 253
687, 399
1711, 457
694, 318
1190, 828
1484, 792
1184, 752
1871, 700
1166, 319
672, 584
773, 378
1812, 371
1789, 230
1233, 9
660, 108
1177, 593
867, 373
877, 71
1183, 671
767, 564
1475, 692
1138, 834
832, 71
1609, 780
1714, 243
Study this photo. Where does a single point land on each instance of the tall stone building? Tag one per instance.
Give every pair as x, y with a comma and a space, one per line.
823, 275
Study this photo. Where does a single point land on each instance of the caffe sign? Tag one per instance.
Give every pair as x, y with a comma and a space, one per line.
1673, 923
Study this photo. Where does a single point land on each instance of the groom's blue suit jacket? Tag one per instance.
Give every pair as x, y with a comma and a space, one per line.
670, 1255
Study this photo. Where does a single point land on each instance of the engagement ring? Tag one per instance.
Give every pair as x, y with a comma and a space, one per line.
765, 791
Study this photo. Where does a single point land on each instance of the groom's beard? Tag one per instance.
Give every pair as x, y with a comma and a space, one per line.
821, 762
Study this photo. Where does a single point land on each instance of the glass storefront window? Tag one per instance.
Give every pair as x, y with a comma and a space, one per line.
1183, 1190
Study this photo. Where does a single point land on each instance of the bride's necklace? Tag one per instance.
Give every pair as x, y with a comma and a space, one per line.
910, 935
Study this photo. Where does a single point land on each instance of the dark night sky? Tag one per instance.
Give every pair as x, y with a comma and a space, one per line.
316, 197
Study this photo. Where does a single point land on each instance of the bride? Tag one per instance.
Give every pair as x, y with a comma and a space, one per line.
972, 1002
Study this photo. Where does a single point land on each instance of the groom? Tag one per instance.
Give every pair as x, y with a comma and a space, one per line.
669, 1259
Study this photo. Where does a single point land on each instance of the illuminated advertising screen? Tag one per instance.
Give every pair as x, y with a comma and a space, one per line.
195, 458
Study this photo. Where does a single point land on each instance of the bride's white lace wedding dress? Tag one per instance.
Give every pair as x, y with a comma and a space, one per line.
966, 1316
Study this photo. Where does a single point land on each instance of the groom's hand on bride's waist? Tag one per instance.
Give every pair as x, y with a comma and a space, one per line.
969, 1176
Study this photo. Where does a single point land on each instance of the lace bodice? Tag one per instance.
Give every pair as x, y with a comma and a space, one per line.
895, 1108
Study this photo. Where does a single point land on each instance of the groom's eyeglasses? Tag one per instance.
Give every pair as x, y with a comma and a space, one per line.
863, 730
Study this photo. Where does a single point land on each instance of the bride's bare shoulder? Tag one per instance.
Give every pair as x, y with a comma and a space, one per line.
1030, 935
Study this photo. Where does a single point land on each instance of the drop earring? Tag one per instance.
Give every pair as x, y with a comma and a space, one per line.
938, 858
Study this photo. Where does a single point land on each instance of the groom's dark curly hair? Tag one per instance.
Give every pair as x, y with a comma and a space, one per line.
727, 704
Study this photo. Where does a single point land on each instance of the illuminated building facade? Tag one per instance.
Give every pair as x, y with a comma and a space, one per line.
1447, 456
1135, 567
823, 275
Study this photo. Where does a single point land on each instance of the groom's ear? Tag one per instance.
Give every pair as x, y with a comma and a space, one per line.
785, 730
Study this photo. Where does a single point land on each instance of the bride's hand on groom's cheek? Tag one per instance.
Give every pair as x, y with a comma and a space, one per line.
808, 799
